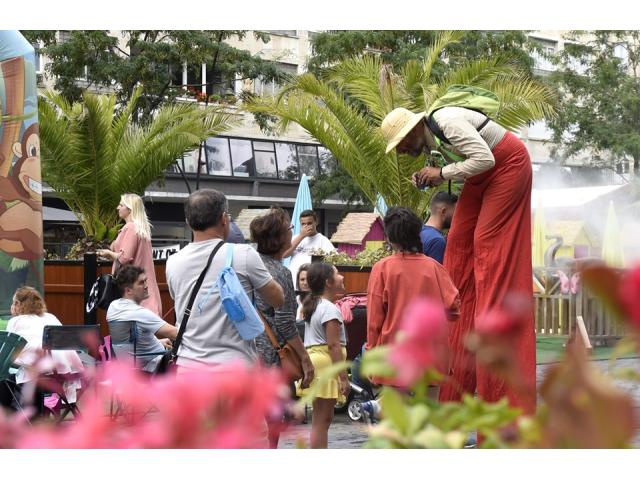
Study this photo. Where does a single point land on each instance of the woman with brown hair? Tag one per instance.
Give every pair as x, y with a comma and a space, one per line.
272, 235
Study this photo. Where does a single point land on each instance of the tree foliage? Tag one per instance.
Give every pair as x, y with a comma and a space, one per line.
92, 151
153, 58
599, 87
397, 47
343, 108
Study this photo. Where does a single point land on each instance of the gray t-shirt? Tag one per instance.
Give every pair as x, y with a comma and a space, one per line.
125, 310
210, 337
314, 330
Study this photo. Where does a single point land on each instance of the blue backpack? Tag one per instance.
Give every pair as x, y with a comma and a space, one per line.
236, 303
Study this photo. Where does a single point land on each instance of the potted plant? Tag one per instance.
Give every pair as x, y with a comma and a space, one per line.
356, 269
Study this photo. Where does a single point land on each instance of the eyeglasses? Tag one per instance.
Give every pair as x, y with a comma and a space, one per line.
290, 228
229, 216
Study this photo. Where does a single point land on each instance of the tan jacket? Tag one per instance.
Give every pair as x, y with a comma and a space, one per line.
459, 126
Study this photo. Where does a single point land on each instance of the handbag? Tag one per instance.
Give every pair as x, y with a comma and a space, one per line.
167, 362
102, 293
290, 362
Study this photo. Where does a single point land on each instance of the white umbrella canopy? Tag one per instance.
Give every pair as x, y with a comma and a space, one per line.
381, 206
303, 202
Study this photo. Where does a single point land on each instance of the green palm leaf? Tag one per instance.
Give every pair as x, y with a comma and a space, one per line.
343, 110
92, 152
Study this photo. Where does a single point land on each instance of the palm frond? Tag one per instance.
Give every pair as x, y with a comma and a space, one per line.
434, 51
343, 111
91, 154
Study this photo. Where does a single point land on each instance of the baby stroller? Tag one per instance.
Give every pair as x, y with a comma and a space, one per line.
363, 393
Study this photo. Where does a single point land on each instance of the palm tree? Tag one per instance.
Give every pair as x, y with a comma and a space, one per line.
344, 108
93, 152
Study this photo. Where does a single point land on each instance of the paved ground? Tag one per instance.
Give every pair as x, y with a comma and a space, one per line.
347, 434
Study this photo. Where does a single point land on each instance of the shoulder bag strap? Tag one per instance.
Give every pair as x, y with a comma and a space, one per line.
192, 298
268, 331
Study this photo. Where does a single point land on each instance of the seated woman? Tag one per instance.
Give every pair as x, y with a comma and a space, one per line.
30, 316
407, 275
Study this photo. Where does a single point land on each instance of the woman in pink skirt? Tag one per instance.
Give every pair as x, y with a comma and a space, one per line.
133, 245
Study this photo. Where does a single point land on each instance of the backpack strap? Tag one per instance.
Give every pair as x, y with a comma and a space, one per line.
441, 138
439, 134
192, 298
229, 255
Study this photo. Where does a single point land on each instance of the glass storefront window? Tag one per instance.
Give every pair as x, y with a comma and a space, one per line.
190, 161
287, 161
266, 164
242, 159
328, 162
308, 158
218, 158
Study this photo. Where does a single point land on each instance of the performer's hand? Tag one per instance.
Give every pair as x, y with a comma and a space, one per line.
428, 176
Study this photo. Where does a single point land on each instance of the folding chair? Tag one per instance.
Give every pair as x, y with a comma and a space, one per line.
11, 345
124, 341
83, 339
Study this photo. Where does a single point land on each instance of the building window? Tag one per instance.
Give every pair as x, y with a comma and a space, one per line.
37, 59
620, 51
217, 84
194, 78
226, 156
64, 36
286, 33
218, 156
242, 159
541, 57
270, 88
328, 162
190, 161
308, 158
539, 131
265, 159
287, 161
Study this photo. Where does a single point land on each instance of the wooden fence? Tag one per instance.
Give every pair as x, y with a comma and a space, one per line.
556, 310
64, 290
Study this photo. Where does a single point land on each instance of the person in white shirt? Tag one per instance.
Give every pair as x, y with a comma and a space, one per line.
30, 316
309, 241
132, 283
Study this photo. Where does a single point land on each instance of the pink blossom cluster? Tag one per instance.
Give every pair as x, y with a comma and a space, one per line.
421, 343
199, 409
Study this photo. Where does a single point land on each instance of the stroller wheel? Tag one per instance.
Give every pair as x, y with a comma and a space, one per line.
354, 410
341, 407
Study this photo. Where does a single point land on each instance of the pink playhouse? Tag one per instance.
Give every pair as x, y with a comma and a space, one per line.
355, 230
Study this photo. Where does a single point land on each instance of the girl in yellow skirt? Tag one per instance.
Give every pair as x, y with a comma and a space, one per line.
325, 340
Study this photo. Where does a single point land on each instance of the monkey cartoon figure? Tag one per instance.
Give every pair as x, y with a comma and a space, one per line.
21, 200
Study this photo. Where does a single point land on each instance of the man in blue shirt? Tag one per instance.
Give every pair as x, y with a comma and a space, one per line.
441, 210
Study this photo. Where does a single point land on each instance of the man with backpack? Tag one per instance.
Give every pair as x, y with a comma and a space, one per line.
211, 337
488, 251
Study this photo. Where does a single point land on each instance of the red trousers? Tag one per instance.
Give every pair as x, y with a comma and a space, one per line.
488, 256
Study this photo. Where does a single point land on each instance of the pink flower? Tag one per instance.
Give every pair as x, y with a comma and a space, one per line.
202, 409
630, 296
507, 320
421, 343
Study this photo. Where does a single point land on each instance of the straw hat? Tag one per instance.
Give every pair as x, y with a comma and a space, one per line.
397, 124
